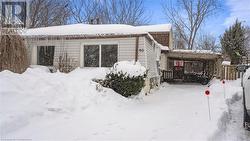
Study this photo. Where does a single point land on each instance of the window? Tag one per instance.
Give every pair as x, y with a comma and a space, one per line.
109, 55
45, 55
100, 55
91, 55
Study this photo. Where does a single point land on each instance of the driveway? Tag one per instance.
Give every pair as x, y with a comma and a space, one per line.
45, 106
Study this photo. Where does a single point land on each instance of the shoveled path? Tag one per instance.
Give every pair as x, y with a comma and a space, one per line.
233, 130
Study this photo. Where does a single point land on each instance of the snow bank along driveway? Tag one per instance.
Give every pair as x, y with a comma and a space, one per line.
39, 105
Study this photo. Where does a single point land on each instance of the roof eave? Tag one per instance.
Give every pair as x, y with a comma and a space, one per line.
54, 37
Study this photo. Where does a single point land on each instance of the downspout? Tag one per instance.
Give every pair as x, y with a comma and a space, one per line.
136, 48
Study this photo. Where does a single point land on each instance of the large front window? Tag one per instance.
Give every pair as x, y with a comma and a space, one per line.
91, 55
45, 55
109, 55
100, 55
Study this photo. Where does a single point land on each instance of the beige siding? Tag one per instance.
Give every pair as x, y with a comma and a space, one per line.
152, 54
163, 63
126, 49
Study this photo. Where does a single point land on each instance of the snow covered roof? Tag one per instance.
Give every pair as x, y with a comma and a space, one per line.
85, 29
88, 30
156, 28
194, 54
196, 51
226, 63
164, 48
95, 30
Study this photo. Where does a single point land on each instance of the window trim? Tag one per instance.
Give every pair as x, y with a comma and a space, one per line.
100, 49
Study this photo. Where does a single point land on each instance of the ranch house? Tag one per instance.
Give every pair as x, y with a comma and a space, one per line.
88, 45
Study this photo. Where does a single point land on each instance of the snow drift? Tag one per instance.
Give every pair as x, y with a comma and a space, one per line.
37, 92
39, 105
130, 68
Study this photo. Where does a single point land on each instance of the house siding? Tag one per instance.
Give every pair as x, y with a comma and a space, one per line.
163, 62
152, 57
74, 49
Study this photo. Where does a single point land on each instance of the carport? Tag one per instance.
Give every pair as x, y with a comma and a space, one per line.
184, 65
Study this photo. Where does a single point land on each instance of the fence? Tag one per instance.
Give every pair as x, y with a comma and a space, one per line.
229, 72
167, 76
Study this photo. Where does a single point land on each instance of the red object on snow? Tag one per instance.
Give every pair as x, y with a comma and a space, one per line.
223, 81
207, 92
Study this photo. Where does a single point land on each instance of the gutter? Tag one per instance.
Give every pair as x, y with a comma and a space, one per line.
77, 37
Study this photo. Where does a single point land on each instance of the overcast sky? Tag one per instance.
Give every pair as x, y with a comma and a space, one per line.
230, 11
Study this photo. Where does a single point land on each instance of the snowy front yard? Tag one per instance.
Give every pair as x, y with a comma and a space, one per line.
39, 105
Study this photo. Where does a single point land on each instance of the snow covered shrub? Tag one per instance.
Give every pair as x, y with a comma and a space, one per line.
126, 78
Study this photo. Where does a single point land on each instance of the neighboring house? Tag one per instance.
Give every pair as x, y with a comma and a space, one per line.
87, 45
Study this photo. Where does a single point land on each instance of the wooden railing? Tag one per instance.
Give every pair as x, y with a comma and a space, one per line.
167, 76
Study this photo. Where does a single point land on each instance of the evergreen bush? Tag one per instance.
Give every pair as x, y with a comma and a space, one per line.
124, 84
125, 78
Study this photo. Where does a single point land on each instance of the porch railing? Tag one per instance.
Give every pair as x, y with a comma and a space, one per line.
167, 75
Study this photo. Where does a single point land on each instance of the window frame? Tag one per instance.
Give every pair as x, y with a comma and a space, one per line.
100, 49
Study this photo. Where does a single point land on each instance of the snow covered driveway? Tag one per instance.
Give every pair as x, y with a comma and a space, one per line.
232, 126
41, 106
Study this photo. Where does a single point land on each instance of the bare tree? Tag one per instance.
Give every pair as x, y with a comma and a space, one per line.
109, 11
207, 42
84, 10
179, 42
45, 13
187, 16
126, 11
13, 52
